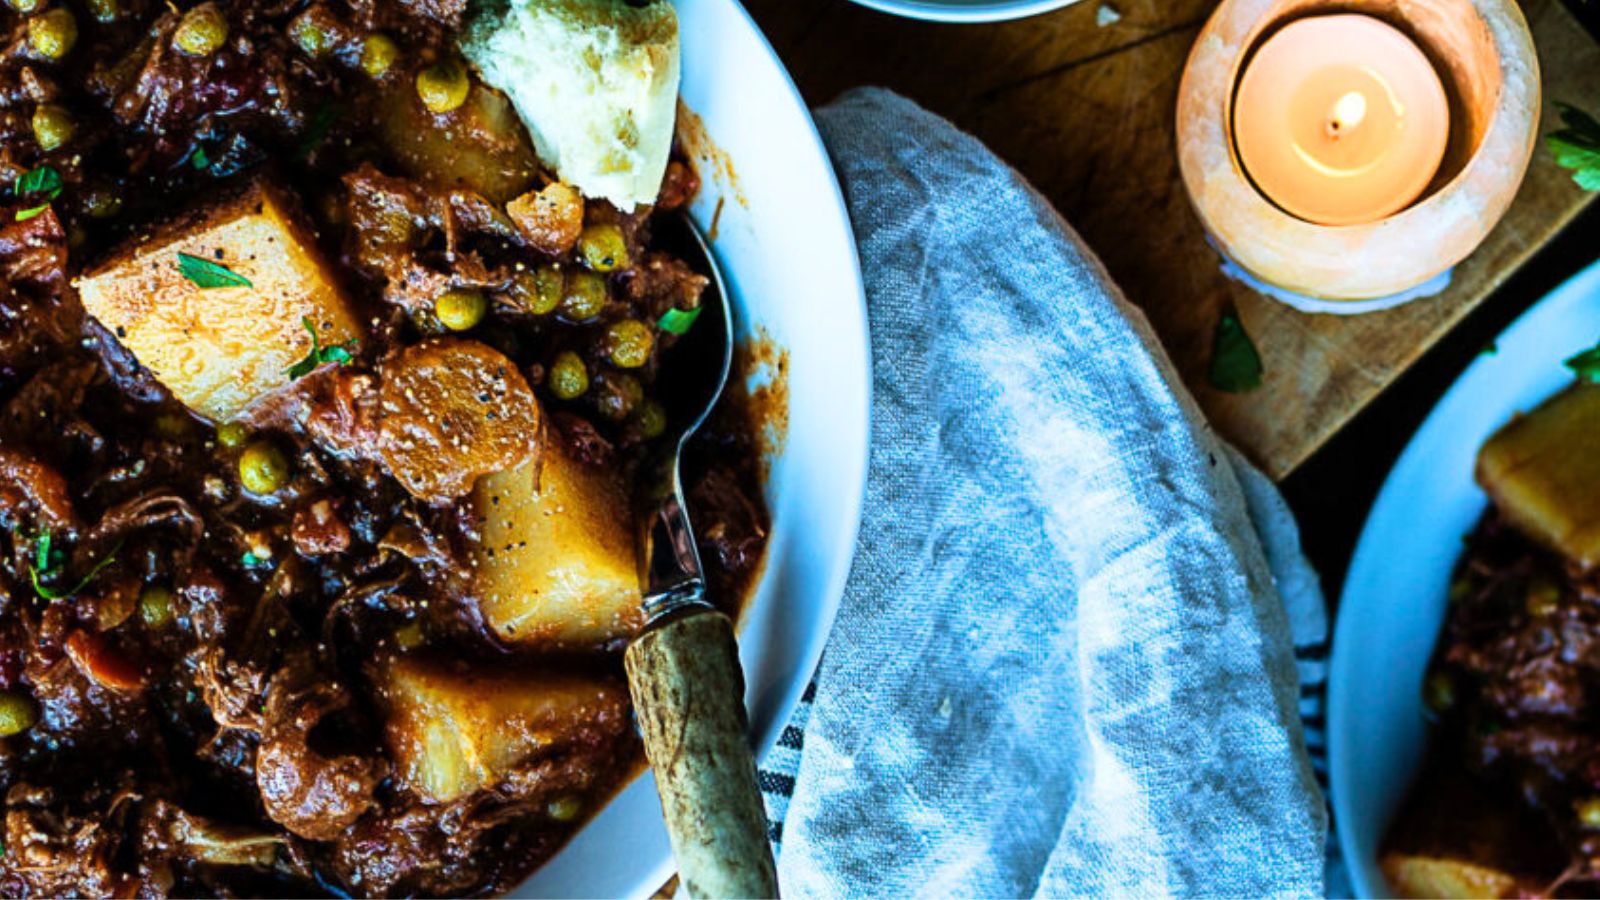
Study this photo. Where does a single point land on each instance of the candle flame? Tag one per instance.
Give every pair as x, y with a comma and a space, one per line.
1348, 111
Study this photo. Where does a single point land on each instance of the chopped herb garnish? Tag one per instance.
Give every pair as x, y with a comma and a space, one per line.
678, 321
1235, 364
250, 560
44, 180
198, 160
334, 353
1577, 146
44, 558
48, 565
1586, 365
42, 183
207, 274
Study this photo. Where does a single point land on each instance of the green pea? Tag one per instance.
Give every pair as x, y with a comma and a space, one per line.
101, 201
311, 35
52, 34
17, 713
201, 31
379, 53
619, 395
1588, 811
52, 126
459, 310
630, 341
444, 85
538, 291
155, 606
263, 468
232, 434
603, 248
651, 418
568, 378
585, 296
565, 808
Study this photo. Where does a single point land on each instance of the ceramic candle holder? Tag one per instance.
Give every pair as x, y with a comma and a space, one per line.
1485, 57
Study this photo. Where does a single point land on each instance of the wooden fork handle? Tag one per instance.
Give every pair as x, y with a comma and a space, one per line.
688, 695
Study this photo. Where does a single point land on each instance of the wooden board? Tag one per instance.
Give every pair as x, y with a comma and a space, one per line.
1086, 112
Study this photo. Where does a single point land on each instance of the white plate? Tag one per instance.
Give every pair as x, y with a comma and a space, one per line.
965, 10
1395, 594
784, 242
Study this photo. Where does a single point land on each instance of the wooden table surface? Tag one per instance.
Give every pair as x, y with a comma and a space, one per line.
1084, 108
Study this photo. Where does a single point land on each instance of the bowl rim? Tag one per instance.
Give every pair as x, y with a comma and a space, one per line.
1577, 297
965, 13
856, 498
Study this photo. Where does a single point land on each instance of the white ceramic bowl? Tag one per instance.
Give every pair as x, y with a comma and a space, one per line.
965, 10
784, 243
1396, 592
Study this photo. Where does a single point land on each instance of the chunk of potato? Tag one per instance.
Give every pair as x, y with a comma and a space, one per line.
482, 146
219, 349
1543, 471
1427, 877
453, 730
557, 559
451, 410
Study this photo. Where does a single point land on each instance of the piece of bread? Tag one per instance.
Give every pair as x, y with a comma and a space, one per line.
453, 730
556, 565
596, 82
1543, 471
219, 349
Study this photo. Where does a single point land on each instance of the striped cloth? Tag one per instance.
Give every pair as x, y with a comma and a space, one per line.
1081, 653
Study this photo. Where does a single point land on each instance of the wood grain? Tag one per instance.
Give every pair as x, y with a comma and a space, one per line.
1086, 113
688, 698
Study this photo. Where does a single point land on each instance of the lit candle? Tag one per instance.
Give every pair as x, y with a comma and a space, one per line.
1340, 119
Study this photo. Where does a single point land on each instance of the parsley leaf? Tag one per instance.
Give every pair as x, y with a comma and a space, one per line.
1235, 364
207, 274
1577, 146
1586, 365
48, 565
41, 553
334, 353
43, 183
43, 180
677, 321
198, 160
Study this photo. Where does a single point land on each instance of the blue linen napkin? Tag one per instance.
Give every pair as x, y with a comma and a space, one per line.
1079, 639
